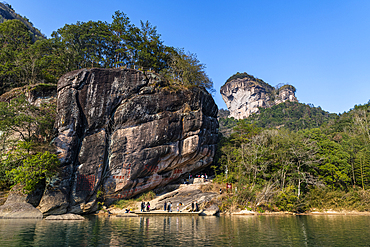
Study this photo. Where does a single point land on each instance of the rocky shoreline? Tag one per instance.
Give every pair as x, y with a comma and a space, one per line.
181, 193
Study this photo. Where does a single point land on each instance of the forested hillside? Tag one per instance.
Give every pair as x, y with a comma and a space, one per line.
314, 160
289, 115
8, 13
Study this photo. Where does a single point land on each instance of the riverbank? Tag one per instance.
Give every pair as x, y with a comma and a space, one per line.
212, 202
208, 195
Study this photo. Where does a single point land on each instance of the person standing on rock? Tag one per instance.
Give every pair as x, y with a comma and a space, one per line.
147, 206
192, 206
169, 206
165, 206
196, 206
142, 206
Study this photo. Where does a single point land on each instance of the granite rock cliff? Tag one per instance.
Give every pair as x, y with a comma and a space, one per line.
120, 133
245, 95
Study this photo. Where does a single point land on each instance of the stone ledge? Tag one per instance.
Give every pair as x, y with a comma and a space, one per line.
65, 217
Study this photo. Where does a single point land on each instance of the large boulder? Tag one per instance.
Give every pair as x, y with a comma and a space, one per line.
121, 132
17, 195
19, 210
212, 210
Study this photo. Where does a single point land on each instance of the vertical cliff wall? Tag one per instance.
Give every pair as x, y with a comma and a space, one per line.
245, 95
121, 133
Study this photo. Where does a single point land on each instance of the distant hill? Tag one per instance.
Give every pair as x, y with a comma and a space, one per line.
8, 13
290, 115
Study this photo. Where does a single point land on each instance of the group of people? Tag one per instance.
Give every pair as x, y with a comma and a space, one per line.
194, 206
145, 207
168, 206
199, 176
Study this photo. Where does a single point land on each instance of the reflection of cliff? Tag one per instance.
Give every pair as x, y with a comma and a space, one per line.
120, 131
244, 94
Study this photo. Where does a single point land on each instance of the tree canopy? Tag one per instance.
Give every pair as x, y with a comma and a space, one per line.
24, 60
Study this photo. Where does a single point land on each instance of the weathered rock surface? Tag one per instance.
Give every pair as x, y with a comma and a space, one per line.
244, 212
65, 217
119, 132
36, 94
244, 96
211, 210
184, 194
19, 210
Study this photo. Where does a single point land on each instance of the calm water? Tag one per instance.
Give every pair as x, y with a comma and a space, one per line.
190, 231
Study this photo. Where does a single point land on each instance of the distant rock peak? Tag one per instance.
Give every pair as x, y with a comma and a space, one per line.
244, 95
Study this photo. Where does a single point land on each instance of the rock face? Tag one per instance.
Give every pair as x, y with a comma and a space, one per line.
185, 194
244, 96
120, 133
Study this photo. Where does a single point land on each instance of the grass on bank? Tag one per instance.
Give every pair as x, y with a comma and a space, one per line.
132, 203
325, 199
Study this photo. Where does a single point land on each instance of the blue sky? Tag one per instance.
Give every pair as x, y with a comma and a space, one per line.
320, 47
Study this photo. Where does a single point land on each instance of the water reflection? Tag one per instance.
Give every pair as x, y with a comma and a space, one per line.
190, 231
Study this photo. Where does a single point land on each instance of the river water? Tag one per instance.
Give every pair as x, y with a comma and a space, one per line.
320, 230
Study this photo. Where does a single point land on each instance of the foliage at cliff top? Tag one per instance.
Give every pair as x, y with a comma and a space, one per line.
267, 86
286, 86
92, 44
243, 75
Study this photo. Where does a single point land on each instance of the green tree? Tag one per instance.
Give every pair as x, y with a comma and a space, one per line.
14, 39
187, 69
334, 168
19, 118
33, 169
122, 43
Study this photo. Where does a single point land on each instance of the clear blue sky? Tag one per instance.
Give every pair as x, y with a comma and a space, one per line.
320, 47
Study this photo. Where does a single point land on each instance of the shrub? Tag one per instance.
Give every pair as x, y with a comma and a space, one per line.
287, 199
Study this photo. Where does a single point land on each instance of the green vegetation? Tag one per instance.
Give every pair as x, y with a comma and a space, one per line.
321, 164
33, 168
286, 86
291, 115
25, 133
25, 60
243, 75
